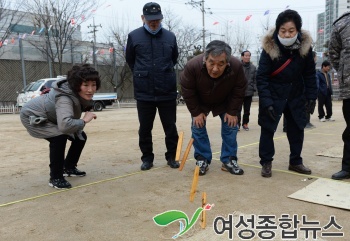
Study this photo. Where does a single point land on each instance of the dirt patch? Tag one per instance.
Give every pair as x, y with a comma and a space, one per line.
117, 201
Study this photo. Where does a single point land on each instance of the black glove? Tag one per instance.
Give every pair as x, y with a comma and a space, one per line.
310, 106
271, 113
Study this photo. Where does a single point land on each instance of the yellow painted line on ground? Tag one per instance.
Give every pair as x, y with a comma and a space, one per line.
323, 134
73, 188
139, 172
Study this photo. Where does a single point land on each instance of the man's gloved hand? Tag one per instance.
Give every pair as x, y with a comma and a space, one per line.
271, 113
310, 106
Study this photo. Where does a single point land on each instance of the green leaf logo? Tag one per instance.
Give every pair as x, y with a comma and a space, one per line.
168, 217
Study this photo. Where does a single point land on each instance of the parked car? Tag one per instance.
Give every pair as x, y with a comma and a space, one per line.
35, 89
21, 98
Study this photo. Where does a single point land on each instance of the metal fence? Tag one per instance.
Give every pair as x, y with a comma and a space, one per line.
11, 78
12, 109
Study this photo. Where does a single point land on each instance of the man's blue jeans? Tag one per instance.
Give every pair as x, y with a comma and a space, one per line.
202, 145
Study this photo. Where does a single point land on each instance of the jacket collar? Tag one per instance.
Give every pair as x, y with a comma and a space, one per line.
271, 47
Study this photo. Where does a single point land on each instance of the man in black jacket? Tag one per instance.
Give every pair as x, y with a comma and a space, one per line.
151, 54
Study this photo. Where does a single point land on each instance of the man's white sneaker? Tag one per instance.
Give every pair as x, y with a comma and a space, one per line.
330, 119
323, 119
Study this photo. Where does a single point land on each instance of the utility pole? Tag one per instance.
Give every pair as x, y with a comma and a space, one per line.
94, 30
22, 62
203, 10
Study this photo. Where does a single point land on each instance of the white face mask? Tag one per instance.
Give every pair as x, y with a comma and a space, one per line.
287, 41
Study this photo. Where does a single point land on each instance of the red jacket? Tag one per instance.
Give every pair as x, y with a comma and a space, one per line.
203, 94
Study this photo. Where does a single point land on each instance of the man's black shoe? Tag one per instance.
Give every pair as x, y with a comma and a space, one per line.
266, 169
341, 175
300, 169
59, 183
309, 125
173, 164
232, 167
146, 166
203, 166
74, 172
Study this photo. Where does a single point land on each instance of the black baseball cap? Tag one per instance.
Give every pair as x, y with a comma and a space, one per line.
152, 11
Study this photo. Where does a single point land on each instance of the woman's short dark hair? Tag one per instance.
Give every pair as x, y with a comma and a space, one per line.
289, 16
82, 73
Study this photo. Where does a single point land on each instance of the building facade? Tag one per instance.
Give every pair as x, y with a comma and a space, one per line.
333, 10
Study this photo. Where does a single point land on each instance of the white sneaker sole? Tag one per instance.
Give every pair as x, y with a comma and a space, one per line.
51, 185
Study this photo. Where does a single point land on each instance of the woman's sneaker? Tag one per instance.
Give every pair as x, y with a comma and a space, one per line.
59, 183
232, 167
74, 172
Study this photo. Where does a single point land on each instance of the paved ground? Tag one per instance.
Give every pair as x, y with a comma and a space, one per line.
116, 201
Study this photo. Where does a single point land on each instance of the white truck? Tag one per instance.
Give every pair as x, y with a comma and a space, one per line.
101, 100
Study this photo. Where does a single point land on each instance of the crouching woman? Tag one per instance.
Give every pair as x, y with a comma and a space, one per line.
56, 117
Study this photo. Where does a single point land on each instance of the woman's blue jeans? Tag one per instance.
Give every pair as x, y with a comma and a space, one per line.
201, 142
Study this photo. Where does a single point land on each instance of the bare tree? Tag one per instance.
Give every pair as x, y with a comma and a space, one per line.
266, 25
119, 73
171, 21
187, 36
57, 21
10, 16
238, 37
187, 39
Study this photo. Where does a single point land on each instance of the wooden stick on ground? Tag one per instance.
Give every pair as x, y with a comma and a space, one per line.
194, 183
184, 158
179, 146
203, 215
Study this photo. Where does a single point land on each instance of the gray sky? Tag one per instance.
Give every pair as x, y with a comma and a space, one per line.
127, 13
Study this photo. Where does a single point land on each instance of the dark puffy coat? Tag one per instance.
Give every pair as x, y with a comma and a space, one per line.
250, 75
339, 53
152, 59
322, 84
204, 94
292, 86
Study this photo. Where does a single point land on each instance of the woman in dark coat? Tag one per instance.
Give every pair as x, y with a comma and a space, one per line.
286, 83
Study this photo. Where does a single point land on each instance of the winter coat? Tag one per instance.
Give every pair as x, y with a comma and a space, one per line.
250, 75
322, 83
292, 86
60, 109
339, 53
152, 59
203, 94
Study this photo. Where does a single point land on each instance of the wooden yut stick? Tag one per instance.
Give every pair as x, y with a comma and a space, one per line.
179, 146
203, 215
194, 183
184, 158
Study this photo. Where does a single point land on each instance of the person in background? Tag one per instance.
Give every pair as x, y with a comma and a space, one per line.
56, 117
325, 92
250, 74
214, 81
286, 82
151, 53
339, 55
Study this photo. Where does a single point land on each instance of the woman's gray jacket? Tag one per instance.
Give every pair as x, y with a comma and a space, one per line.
55, 113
